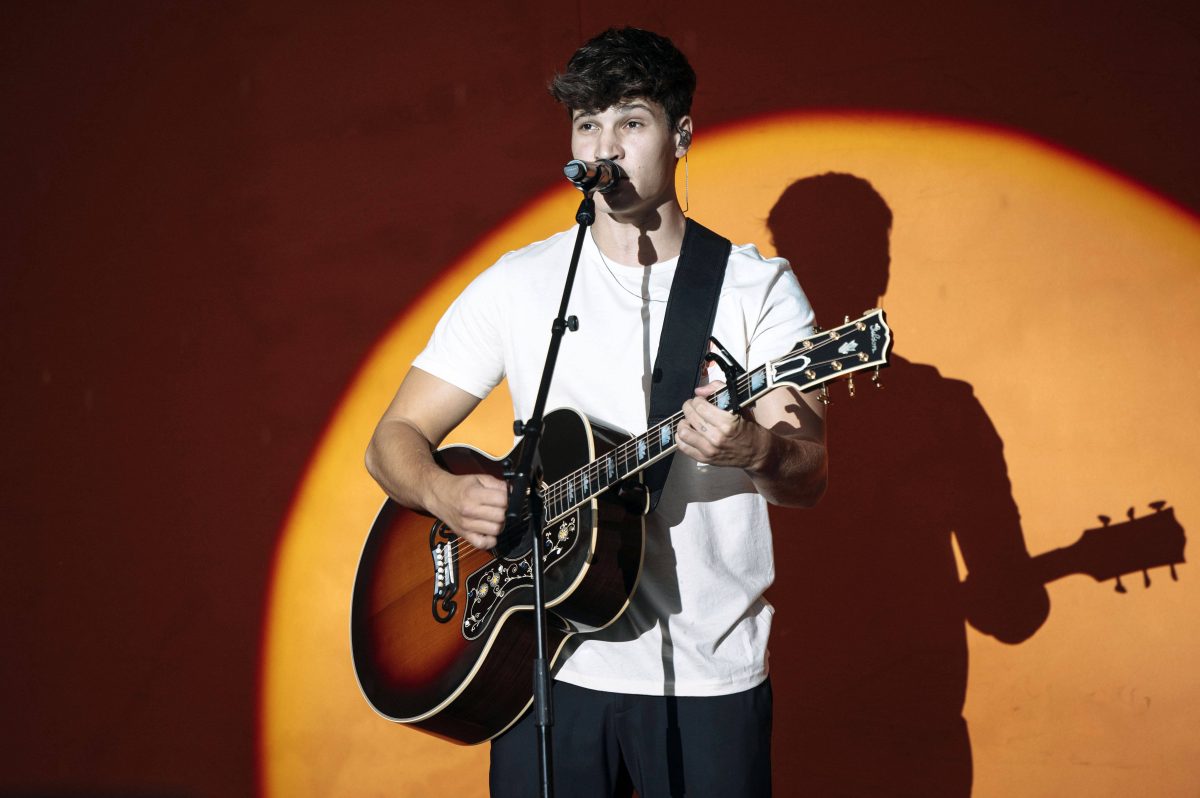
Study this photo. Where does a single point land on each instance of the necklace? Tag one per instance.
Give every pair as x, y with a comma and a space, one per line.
622, 285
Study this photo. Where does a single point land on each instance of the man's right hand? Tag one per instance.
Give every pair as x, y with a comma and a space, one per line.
400, 458
473, 506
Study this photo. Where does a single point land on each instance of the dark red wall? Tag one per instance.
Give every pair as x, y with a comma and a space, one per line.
212, 210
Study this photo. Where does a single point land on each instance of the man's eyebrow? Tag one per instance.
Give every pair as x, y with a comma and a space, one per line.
622, 108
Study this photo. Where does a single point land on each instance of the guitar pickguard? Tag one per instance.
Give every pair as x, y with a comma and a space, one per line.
488, 587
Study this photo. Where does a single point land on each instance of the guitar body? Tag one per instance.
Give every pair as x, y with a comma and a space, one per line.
442, 635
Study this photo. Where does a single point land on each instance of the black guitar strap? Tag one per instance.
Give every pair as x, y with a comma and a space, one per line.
687, 324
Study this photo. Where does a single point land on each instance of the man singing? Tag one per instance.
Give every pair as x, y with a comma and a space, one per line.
673, 696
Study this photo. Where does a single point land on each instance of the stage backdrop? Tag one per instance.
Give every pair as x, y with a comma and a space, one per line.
228, 228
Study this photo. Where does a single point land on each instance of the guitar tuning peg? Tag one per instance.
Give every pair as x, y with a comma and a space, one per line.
1129, 513
1145, 578
1104, 519
850, 383
824, 395
1174, 576
1120, 587
1158, 506
875, 379
847, 320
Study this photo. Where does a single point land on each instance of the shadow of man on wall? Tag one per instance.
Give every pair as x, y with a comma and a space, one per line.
869, 652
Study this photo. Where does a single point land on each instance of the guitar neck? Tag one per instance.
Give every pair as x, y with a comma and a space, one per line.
638, 453
824, 356
1053, 565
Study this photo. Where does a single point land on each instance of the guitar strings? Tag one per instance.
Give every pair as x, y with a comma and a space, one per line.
625, 454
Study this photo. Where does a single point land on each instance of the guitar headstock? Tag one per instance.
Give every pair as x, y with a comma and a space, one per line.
864, 343
1111, 551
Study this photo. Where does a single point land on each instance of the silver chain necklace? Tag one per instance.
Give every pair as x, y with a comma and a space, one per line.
620, 284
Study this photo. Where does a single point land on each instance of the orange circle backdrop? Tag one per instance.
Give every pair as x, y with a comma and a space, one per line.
1064, 294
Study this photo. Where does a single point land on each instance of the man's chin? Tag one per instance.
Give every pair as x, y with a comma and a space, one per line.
621, 198
619, 193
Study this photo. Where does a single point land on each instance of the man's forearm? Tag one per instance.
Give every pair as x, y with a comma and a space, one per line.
791, 471
401, 460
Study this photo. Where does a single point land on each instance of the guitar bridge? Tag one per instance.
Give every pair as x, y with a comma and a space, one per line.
445, 571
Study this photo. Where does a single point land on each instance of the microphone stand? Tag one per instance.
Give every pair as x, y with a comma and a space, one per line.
520, 479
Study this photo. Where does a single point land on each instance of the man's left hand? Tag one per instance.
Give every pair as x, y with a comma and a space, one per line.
710, 435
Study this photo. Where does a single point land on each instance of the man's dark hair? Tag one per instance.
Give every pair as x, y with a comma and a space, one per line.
621, 64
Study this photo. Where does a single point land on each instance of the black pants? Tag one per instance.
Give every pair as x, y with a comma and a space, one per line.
608, 744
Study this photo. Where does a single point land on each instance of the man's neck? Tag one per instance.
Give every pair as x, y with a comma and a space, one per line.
650, 239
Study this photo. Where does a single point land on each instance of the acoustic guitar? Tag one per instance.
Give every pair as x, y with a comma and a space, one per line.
441, 633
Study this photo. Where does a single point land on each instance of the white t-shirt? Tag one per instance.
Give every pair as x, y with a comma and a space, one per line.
698, 623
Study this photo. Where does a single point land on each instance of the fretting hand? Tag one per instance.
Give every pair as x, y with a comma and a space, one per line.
710, 435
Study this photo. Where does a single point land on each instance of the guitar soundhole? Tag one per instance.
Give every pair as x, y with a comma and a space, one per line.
445, 571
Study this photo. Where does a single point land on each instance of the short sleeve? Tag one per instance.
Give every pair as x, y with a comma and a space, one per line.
784, 318
467, 345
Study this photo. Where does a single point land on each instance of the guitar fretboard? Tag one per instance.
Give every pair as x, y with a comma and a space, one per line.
637, 453
855, 345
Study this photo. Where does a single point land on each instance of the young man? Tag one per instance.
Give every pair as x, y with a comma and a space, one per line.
673, 696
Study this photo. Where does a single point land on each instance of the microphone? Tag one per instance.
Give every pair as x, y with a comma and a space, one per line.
600, 176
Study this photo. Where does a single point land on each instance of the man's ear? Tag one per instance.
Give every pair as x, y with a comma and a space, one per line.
683, 136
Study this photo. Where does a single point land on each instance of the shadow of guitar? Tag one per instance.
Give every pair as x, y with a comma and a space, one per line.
878, 714
1111, 551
